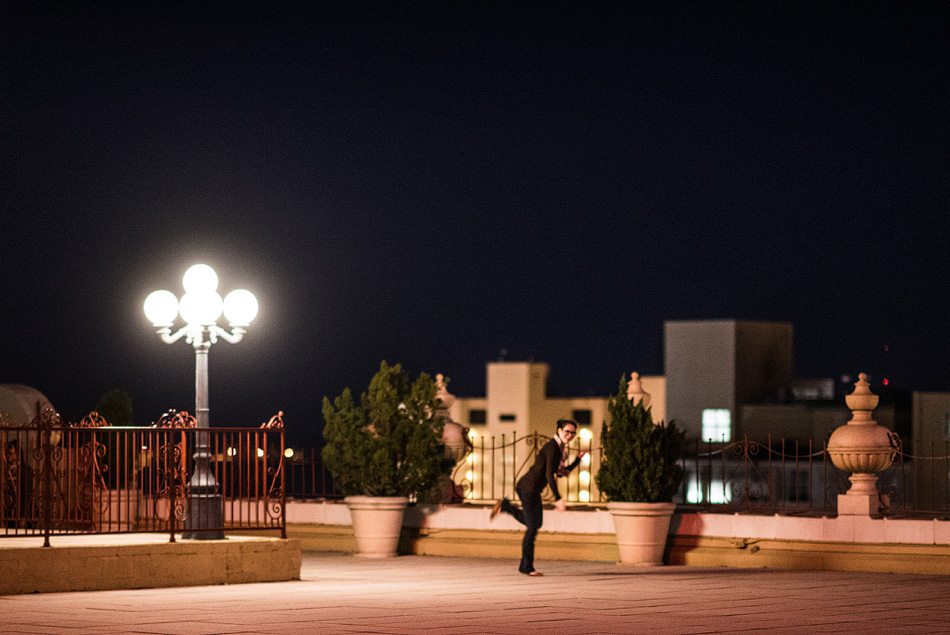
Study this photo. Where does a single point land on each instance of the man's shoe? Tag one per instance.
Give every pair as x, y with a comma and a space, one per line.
496, 509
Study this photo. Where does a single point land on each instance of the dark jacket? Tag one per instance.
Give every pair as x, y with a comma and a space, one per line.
545, 470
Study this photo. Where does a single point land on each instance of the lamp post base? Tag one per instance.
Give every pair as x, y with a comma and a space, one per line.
204, 515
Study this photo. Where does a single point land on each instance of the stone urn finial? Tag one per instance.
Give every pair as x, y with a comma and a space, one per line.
635, 391
863, 448
443, 393
454, 434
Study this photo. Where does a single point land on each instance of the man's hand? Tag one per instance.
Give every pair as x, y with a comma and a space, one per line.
560, 505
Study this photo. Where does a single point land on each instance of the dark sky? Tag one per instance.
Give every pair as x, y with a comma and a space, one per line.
431, 183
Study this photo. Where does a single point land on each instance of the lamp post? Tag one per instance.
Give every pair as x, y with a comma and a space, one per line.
200, 308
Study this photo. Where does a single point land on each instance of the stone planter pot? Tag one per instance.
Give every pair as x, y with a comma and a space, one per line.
377, 522
642, 529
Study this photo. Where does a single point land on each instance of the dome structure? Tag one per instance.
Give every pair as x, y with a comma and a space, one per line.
20, 404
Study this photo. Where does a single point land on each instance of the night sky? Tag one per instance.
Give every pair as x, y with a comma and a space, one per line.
444, 184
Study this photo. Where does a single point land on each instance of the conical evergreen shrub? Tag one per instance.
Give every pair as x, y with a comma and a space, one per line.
391, 443
641, 460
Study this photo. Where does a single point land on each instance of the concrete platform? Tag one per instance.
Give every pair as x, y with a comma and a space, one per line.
132, 561
434, 595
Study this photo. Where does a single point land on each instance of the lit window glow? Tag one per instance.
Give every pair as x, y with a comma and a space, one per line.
717, 493
717, 425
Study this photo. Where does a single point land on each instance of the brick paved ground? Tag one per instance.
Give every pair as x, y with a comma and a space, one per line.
429, 595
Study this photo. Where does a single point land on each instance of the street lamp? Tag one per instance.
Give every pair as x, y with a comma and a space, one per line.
200, 308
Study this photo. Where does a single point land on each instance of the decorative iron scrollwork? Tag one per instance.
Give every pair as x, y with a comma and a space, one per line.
47, 418
91, 420
168, 472
274, 423
175, 419
274, 497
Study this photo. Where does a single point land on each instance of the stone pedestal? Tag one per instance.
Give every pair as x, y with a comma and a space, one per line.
863, 448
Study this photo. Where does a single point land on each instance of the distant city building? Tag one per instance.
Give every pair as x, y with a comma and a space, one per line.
517, 403
724, 380
713, 368
930, 442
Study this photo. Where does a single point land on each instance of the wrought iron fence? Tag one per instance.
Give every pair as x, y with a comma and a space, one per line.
60, 478
770, 476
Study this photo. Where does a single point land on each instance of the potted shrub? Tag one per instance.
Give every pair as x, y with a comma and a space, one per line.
640, 473
383, 451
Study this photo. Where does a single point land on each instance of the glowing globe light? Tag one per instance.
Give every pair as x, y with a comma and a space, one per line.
203, 307
289, 453
161, 308
240, 307
585, 434
200, 278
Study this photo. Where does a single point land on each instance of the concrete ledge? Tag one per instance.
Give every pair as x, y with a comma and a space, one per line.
810, 556
708, 551
93, 563
477, 543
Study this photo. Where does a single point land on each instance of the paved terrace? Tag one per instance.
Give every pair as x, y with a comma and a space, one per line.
429, 595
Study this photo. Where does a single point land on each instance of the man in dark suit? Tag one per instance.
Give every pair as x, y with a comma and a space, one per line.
548, 465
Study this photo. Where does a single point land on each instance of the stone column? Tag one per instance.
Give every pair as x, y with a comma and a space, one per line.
863, 448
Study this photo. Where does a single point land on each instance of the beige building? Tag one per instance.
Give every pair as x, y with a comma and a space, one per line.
516, 406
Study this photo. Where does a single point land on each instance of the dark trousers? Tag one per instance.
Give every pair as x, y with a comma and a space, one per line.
530, 515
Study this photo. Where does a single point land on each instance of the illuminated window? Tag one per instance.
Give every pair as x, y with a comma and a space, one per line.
717, 424
716, 494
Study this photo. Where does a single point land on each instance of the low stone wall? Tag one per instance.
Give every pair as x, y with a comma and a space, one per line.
92, 563
847, 543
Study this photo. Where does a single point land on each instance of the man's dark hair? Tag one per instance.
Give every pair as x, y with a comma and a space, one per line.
564, 422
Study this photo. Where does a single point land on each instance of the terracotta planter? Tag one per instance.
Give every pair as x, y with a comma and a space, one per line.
642, 529
377, 522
